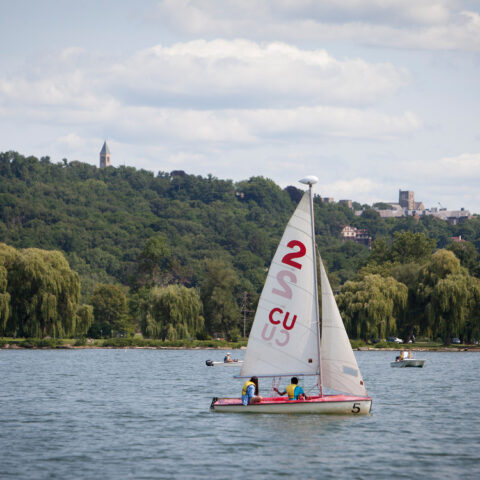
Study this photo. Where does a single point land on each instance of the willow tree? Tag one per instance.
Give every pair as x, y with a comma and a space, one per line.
44, 294
172, 313
84, 320
370, 307
7, 257
471, 327
448, 293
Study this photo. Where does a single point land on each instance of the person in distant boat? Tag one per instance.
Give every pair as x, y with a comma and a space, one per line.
294, 391
250, 392
227, 358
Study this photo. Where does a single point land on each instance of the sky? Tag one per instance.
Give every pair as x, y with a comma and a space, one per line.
371, 96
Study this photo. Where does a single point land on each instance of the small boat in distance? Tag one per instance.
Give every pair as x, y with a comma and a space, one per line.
228, 361
233, 363
286, 339
406, 359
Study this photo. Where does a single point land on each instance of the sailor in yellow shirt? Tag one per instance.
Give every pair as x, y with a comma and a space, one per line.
293, 390
250, 392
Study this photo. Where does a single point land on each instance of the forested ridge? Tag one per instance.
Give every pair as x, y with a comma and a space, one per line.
175, 239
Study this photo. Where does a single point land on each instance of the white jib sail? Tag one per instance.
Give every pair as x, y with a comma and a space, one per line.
284, 338
340, 370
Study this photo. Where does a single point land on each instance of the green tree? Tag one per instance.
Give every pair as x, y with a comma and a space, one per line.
450, 300
110, 312
409, 247
406, 247
154, 261
371, 306
172, 313
380, 252
44, 294
446, 291
84, 320
218, 293
468, 256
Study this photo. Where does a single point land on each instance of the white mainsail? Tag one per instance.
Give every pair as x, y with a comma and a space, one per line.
284, 336
339, 367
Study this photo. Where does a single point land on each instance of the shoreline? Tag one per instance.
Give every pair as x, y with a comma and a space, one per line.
14, 346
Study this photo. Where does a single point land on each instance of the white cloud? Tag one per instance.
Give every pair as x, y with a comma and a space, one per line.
371, 11
234, 126
71, 142
426, 24
201, 74
352, 189
219, 91
464, 165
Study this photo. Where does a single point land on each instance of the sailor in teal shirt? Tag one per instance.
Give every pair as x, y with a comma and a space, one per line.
293, 390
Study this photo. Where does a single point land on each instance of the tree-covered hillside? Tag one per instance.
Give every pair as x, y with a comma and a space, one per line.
139, 230
102, 218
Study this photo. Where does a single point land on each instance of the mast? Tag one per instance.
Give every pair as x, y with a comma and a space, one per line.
310, 181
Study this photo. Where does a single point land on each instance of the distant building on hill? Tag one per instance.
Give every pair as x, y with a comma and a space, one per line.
408, 207
105, 156
454, 217
348, 203
357, 235
406, 199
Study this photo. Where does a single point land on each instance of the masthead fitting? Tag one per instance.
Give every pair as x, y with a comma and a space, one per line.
310, 180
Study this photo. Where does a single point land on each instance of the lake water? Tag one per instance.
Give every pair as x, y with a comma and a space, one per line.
143, 414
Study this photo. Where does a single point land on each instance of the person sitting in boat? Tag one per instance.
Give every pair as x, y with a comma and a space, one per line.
250, 392
227, 358
294, 391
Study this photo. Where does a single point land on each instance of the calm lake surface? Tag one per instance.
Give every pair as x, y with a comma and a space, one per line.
142, 414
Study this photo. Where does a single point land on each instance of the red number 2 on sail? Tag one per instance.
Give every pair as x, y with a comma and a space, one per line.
288, 258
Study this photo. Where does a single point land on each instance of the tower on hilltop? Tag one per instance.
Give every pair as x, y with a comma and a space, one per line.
406, 199
104, 156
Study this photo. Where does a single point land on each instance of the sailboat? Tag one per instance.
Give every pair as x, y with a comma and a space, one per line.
286, 339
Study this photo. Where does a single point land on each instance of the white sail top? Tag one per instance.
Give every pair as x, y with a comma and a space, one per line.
284, 336
340, 371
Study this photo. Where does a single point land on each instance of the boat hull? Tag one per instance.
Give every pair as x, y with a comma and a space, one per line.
235, 363
410, 362
328, 404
